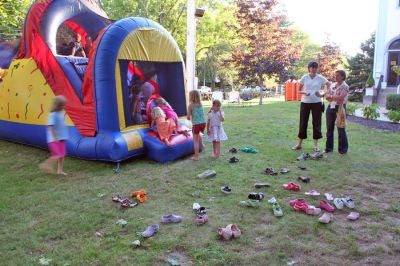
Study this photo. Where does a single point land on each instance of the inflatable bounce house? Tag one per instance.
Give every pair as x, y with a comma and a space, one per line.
129, 64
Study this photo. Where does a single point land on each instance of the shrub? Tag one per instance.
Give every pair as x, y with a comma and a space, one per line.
371, 111
351, 108
394, 116
370, 81
393, 102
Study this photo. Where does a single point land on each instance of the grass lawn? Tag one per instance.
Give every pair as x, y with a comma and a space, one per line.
45, 215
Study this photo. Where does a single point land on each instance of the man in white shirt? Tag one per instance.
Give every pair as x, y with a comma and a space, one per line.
310, 86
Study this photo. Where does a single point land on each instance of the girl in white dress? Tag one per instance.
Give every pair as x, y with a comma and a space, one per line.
215, 131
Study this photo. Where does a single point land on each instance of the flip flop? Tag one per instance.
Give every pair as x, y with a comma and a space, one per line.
151, 230
312, 193
348, 202
260, 185
248, 150
339, 203
304, 179
117, 198
328, 196
292, 186
233, 159
250, 203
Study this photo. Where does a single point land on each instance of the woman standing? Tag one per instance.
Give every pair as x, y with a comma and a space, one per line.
336, 96
310, 86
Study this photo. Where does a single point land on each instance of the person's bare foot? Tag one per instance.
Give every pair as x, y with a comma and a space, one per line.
62, 173
195, 158
46, 167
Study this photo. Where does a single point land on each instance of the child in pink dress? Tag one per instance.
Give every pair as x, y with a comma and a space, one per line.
215, 131
163, 126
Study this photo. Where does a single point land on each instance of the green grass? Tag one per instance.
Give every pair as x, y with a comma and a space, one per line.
45, 215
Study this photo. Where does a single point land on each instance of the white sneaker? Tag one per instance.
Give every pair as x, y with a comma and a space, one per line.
196, 206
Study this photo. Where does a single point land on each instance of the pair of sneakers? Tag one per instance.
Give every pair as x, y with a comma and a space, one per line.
341, 202
201, 214
229, 232
277, 210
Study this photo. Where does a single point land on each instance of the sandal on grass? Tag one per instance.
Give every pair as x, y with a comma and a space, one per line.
234, 229
304, 179
284, 170
256, 196
303, 207
151, 230
234, 159
325, 218
226, 190
296, 201
250, 203
260, 185
117, 198
128, 203
312, 193
270, 171
296, 147
277, 209
291, 186
353, 216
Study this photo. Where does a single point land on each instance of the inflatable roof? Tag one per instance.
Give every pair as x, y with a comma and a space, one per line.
107, 92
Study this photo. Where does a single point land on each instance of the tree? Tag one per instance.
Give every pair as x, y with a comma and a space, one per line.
266, 50
12, 15
329, 59
360, 67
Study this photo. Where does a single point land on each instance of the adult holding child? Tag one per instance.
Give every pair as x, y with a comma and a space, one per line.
310, 86
337, 98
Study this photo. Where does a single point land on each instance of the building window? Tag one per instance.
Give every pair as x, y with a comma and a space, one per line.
395, 45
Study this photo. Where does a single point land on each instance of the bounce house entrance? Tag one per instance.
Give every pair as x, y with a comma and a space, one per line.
142, 79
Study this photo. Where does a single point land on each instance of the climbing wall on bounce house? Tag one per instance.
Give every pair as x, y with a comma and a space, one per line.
292, 91
25, 101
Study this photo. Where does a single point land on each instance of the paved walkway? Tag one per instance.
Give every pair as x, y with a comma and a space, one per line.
382, 112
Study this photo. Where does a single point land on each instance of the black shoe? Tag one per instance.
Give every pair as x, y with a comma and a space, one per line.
234, 160
302, 167
233, 150
256, 196
270, 171
226, 190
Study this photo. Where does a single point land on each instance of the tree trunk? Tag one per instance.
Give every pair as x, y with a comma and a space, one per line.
260, 83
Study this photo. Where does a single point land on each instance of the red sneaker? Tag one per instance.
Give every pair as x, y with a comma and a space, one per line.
326, 206
292, 186
303, 206
297, 201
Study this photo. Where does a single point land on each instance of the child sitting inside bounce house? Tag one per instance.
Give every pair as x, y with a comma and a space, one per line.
163, 126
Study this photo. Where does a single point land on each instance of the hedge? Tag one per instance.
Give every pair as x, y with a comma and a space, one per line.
393, 102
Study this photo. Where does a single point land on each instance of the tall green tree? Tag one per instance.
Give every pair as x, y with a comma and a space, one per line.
12, 15
360, 67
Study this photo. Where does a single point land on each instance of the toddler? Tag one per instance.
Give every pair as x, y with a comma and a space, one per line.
215, 131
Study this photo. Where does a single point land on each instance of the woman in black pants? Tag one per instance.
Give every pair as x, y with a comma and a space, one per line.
310, 86
336, 95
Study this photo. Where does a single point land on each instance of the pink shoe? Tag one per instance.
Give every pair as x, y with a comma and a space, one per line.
326, 206
301, 207
325, 218
312, 193
234, 229
296, 201
353, 216
225, 233
312, 210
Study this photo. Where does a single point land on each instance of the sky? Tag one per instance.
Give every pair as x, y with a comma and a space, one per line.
347, 22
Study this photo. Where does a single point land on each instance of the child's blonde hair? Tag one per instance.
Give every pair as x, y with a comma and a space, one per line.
162, 101
58, 103
157, 112
195, 97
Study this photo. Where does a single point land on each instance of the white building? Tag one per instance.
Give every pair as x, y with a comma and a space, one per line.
387, 47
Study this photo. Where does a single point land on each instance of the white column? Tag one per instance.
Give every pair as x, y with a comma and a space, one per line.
190, 45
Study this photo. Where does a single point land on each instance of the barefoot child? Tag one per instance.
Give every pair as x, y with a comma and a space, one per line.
164, 127
57, 134
215, 131
196, 114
